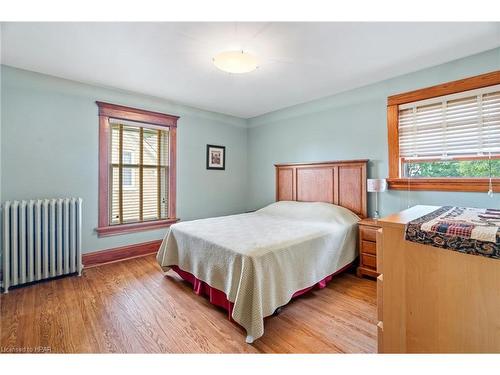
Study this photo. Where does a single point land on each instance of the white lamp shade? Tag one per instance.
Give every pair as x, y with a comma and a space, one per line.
376, 185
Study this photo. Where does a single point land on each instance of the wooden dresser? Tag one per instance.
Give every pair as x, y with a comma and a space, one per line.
368, 247
433, 300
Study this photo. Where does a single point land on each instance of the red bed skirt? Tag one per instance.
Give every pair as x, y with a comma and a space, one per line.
219, 298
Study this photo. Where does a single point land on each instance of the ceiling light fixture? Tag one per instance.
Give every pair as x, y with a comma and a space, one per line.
235, 62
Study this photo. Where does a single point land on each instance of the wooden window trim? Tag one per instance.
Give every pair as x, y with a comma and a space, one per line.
134, 227
395, 179
107, 111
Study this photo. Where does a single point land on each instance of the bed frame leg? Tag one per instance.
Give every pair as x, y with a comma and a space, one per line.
249, 340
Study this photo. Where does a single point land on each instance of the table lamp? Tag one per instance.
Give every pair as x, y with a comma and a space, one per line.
376, 185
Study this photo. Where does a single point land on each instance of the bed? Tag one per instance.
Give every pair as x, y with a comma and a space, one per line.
254, 263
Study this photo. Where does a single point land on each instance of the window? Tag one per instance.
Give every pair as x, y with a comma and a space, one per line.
129, 177
446, 137
143, 169
136, 169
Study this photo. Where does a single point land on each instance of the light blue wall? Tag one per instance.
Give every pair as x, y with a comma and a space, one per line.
49, 149
352, 125
49, 136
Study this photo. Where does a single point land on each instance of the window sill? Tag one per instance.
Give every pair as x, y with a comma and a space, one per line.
444, 184
134, 227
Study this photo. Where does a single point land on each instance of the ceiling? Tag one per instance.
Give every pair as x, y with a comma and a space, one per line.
298, 62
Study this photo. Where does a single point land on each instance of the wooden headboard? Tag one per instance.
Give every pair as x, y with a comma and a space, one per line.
339, 182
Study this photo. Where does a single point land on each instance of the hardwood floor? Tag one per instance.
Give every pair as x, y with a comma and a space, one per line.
132, 307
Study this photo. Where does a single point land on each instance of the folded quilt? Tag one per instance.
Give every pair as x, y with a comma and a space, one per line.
473, 231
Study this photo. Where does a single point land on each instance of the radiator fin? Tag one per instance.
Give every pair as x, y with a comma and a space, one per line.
41, 240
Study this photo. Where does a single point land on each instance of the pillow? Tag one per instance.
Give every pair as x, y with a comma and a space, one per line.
310, 211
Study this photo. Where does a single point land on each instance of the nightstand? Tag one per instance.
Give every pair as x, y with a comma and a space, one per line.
368, 247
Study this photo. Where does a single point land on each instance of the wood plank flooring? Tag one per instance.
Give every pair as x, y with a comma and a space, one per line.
131, 307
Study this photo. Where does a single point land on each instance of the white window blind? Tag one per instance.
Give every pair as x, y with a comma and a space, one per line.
138, 172
466, 124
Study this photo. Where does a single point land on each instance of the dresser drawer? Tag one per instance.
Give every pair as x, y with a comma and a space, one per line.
380, 337
379, 251
367, 243
368, 233
380, 298
369, 260
368, 247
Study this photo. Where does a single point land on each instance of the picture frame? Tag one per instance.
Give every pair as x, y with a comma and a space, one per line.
216, 157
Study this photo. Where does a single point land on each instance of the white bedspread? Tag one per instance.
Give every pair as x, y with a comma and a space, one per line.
261, 259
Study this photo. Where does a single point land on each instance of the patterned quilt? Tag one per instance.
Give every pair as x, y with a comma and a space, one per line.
473, 231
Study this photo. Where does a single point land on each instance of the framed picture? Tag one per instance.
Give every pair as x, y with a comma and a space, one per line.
216, 157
